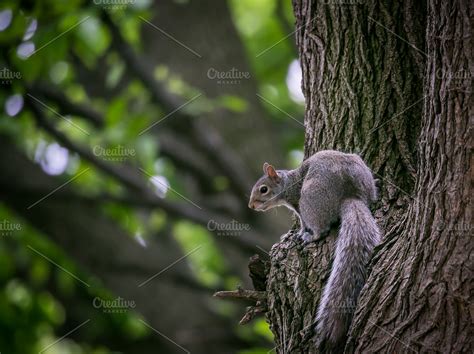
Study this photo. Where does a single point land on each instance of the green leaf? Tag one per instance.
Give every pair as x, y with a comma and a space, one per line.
233, 103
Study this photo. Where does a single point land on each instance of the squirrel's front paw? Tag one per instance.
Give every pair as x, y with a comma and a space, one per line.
307, 236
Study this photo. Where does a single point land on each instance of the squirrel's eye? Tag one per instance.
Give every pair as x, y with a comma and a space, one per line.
263, 189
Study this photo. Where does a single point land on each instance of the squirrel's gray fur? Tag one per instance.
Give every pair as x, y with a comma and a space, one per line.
329, 186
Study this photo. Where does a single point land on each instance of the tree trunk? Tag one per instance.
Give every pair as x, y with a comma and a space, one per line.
363, 68
417, 298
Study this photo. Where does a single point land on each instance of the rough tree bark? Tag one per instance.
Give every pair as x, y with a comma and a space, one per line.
363, 66
417, 298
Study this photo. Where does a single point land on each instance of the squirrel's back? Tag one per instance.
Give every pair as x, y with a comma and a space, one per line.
329, 178
348, 171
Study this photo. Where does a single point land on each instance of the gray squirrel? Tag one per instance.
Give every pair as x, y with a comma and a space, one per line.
327, 187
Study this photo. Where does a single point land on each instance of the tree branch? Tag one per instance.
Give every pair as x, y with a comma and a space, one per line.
124, 175
242, 294
65, 105
252, 312
260, 297
170, 145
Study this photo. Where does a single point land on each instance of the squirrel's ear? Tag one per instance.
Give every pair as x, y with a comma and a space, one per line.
265, 166
272, 173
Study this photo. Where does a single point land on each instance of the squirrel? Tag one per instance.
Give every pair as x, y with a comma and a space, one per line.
327, 187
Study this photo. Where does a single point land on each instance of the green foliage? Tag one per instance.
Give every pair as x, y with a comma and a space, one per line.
270, 51
35, 295
204, 257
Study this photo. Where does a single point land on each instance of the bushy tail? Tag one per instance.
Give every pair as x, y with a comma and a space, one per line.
357, 238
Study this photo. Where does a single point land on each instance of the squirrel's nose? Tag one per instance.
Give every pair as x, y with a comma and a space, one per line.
251, 205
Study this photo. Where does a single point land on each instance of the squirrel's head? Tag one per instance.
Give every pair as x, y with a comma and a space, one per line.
267, 192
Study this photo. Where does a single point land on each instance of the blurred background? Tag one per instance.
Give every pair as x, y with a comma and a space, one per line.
131, 133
